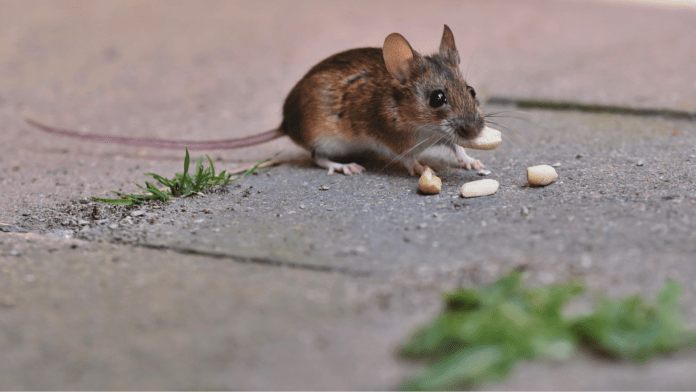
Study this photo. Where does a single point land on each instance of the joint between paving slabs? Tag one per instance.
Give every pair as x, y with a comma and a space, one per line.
240, 259
592, 108
258, 260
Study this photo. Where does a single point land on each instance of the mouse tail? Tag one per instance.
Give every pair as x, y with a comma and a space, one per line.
226, 144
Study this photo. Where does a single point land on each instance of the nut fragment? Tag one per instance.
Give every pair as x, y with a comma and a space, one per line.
429, 183
541, 175
480, 188
488, 139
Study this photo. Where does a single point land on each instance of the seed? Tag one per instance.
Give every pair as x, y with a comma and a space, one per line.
541, 175
429, 183
488, 139
480, 188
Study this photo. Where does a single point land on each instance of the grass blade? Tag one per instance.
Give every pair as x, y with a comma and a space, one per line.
120, 202
252, 170
212, 167
185, 177
161, 179
152, 189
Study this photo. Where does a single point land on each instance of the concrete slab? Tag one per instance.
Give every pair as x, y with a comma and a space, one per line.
79, 315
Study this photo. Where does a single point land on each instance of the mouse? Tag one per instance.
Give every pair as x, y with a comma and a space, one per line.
392, 101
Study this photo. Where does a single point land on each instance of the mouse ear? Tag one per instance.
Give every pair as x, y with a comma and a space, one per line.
398, 56
447, 48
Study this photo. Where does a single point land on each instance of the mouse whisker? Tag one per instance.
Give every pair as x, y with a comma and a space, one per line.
449, 144
520, 118
526, 142
398, 157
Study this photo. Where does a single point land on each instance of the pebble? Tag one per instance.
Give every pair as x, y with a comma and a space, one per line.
323, 188
137, 213
640, 163
586, 260
484, 172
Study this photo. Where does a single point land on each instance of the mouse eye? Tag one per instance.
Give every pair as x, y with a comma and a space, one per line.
471, 91
437, 98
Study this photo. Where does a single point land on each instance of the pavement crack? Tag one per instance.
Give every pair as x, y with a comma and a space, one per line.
258, 260
592, 108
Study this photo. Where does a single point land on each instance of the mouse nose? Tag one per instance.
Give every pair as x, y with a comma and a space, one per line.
469, 126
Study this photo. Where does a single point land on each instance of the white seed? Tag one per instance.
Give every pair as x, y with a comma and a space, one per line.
541, 175
480, 188
488, 139
429, 183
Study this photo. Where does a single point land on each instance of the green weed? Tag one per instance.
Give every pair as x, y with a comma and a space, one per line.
481, 334
183, 184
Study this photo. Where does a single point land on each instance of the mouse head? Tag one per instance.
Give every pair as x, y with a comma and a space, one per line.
431, 89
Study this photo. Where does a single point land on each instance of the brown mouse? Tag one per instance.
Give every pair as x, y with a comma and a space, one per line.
392, 101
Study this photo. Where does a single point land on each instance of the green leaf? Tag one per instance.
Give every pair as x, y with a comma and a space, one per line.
463, 300
161, 179
184, 179
121, 202
161, 195
253, 169
461, 368
212, 167
631, 329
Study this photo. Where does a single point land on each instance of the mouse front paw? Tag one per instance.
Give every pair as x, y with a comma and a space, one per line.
473, 165
466, 161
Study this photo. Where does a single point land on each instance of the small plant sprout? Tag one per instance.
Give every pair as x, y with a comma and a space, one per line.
482, 334
183, 184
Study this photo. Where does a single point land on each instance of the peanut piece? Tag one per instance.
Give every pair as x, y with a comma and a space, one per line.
488, 139
480, 188
429, 183
541, 175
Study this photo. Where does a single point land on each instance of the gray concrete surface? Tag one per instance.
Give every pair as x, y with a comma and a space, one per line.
277, 284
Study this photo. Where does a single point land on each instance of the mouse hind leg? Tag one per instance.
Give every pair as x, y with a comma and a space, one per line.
324, 151
346, 168
322, 154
